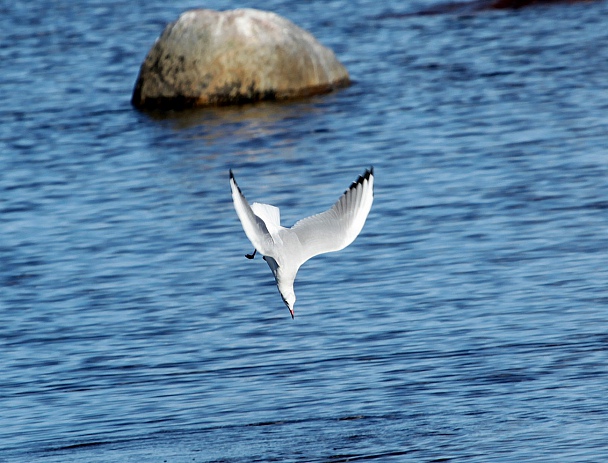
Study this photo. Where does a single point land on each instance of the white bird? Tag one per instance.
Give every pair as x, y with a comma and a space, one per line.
286, 249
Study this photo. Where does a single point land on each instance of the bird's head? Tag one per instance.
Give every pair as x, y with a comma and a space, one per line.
289, 298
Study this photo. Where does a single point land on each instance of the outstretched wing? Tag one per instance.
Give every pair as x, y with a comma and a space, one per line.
254, 226
337, 227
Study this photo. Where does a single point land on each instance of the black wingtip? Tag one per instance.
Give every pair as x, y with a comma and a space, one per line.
231, 174
366, 175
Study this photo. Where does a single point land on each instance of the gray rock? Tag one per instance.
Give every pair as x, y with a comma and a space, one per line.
211, 58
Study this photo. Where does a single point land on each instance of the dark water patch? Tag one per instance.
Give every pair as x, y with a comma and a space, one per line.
475, 6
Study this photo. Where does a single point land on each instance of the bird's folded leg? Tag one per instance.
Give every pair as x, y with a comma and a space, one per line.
251, 256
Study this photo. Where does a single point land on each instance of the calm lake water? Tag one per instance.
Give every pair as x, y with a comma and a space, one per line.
467, 323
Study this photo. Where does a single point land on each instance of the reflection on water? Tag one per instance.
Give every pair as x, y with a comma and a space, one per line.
262, 114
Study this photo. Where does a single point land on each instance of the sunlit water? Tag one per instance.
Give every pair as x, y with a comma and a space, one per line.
467, 323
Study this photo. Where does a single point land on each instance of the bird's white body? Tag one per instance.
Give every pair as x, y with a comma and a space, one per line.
286, 249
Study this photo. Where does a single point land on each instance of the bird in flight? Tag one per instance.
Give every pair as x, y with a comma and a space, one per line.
286, 249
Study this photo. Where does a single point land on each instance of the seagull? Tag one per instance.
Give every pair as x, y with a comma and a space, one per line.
286, 249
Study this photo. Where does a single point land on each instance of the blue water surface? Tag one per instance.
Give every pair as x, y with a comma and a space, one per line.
467, 323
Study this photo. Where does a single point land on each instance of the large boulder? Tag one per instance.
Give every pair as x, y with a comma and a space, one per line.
210, 58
